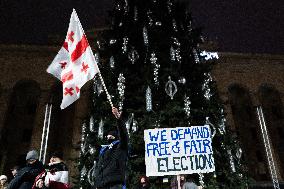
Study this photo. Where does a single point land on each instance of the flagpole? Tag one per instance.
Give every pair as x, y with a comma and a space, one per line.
45, 132
100, 75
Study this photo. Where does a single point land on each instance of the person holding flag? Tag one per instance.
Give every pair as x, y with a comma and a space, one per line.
111, 166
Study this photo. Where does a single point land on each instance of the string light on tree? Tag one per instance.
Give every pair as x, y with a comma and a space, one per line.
145, 36
195, 54
101, 129
91, 124
206, 87
232, 163
169, 5
124, 45
148, 99
222, 126
173, 54
149, 15
175, 25
98, 87
187, 104
153, 60
121, 89
135, 14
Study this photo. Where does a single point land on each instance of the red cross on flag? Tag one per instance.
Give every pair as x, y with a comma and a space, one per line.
75, 63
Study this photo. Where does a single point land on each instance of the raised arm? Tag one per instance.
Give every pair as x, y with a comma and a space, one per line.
123, 135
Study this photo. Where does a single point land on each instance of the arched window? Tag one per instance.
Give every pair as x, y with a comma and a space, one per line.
247, 127
270, 100
19, 121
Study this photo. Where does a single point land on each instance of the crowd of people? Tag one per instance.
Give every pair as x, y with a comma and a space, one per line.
36, 176
109, 174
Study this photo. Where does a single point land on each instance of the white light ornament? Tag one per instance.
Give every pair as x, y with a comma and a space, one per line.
222, 126
124, 45
121, 89
206, 87
196, 56
212, 127
153, 60
133, 55
101, 129
232, 163
145, 36
171, 88
209, 55
148, 99
111, 62
98, 87
187, 104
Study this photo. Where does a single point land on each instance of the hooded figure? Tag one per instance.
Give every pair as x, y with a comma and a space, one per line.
111, 166
25, 177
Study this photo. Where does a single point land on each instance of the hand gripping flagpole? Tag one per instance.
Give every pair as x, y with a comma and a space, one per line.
267, 145
45, 132
99, 72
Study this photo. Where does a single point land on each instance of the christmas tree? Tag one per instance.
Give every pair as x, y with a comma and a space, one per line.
159, 77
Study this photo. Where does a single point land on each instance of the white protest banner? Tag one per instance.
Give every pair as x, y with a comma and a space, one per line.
181, 150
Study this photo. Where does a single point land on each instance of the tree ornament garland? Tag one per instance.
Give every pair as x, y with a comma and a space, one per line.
206, 87
111, 62
133, 55
187, 104
145, 36
121, 89
101, 129
148, 99
171, 88
153, 60
124, 45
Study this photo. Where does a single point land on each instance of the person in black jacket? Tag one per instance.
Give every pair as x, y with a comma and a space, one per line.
111, 166
25, 177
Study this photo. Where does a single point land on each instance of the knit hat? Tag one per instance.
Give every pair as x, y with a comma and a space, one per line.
32, 155
57, 154
3, 177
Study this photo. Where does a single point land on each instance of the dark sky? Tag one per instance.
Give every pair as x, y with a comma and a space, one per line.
253, 26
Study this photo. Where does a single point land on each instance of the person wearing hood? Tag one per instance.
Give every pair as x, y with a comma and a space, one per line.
25, 177
111, 166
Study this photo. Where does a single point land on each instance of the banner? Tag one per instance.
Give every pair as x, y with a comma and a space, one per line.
181, 150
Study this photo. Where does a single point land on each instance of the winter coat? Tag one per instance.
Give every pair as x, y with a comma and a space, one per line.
55, 178
111, 166
26, 176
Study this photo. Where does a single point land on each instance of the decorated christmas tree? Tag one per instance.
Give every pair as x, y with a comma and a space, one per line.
159, 77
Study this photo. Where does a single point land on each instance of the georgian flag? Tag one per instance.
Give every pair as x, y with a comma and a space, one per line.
75, 63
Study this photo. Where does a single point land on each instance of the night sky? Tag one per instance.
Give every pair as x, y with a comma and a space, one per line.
251, 26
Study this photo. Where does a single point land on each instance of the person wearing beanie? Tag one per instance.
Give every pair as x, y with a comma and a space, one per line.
25, 177
111, 166
3, 182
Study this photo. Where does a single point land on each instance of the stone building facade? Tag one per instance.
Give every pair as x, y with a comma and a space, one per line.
244, 82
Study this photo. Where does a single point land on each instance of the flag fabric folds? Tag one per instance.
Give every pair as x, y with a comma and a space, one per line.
75, 63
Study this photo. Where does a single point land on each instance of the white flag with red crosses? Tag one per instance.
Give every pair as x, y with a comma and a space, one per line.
75, 63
